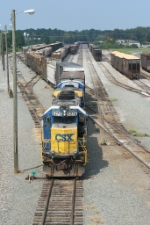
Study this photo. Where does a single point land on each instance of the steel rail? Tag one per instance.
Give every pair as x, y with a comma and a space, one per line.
110, 128
47, 202
73, 203
112, 79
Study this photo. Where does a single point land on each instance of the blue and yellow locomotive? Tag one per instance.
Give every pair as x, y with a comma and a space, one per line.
64, 140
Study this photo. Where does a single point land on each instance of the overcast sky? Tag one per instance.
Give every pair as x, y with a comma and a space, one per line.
78, 14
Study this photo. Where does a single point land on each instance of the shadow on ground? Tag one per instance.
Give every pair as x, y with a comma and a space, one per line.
95, 152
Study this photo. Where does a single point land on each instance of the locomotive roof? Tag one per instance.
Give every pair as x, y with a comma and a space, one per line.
70, 66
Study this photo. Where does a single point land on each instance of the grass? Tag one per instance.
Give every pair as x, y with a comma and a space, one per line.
137, 134
113, 99
132, 50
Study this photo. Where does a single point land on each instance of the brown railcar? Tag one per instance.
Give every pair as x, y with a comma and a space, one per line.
126, 64
145, 62
96, 52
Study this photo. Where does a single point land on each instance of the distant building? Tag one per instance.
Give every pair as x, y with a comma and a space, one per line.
146, 45
101, 42
128, 42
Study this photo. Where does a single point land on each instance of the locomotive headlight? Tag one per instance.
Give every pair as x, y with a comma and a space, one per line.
75, 152
52, 152
64, 112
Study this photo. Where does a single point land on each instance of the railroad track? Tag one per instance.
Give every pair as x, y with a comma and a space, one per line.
109, 120
142, 83
34, 106
143, 74
61, 200
145, 89
60, 203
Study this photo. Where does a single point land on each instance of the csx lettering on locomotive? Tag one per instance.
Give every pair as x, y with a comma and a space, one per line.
63, 137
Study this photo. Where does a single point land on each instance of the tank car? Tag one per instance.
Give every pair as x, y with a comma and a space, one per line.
64, 137
145, 62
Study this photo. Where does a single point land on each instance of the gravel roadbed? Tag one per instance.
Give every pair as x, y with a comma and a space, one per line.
116, 185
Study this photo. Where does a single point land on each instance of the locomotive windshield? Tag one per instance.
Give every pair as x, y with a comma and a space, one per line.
67, 120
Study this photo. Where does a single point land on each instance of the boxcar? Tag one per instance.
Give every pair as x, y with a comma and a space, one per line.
145, 62
96, 52
131, 66
126, 64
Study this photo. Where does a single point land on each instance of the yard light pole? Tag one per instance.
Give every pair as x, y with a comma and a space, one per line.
7, 66
0, 43
15, 108
2, 49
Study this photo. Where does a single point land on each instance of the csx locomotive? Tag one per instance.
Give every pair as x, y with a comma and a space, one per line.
64, 129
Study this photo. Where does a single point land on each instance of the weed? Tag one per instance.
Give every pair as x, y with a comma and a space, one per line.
96, 220
113, 100
137, 134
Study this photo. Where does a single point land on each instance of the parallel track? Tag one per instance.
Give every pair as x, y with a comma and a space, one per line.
109, 120
145, 89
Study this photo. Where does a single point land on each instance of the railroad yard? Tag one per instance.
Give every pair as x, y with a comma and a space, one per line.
115, 188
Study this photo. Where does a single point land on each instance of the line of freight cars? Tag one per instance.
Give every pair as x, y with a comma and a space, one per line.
36, 56
126, 64
64, 125
96, 52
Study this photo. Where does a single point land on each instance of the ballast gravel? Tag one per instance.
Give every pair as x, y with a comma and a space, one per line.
116, 185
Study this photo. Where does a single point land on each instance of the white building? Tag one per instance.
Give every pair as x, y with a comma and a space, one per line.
128, 42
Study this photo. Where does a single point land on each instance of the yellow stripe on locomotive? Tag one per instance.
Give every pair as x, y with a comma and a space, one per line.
63, 141
78, 92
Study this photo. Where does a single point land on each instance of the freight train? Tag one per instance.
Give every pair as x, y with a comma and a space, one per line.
126, 64
74, 47
96, 52
64, 125
145, 62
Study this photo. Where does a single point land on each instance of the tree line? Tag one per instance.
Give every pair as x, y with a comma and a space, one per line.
108, 37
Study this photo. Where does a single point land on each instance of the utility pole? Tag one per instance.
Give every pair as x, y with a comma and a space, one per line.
3, 55
0, 44
7, 65
15, 110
